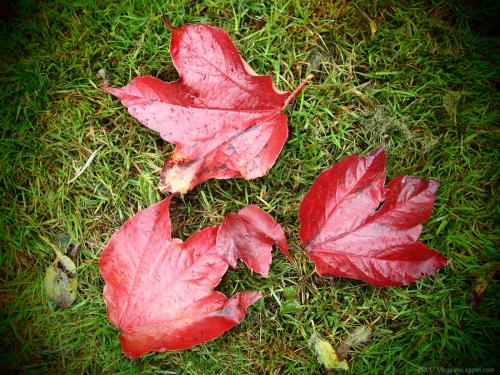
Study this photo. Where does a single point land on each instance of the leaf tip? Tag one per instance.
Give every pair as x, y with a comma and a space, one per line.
245, 299
434, 185
377, 151
442, 260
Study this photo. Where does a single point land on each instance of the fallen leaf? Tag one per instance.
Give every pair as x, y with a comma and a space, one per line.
486, 274
160, 290
326, 354
249, 235
225, 120
61, 282
360, 335
352, 226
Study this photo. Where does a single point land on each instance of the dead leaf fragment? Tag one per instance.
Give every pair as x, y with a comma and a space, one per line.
371, 23
360, 335
373, 26
61, 282
487, 273
325, 353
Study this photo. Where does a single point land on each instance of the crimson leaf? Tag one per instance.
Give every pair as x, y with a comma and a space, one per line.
249, 235
225, 120
159, 290
352, 226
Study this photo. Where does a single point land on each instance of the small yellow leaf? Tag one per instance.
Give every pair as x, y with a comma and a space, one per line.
373, 26
371, 23
326, 354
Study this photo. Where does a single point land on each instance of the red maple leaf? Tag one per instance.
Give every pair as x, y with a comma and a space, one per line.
249, 235
225, 120
160, 291
352, 226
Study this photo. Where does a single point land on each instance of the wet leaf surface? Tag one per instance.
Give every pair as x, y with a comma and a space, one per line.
249, 235
160, 290
225, 120
353, 226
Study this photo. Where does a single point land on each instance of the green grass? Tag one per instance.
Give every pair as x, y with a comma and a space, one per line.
425, 84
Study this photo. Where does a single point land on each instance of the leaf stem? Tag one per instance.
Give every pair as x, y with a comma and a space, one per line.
297, 90
167, 23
